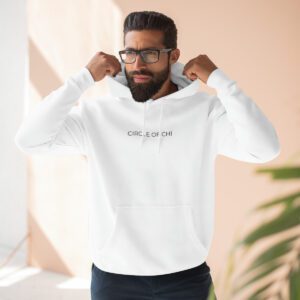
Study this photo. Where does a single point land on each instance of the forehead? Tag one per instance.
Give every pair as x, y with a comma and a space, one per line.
144, 39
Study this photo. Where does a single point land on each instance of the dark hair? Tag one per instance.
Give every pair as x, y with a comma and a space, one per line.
152, 20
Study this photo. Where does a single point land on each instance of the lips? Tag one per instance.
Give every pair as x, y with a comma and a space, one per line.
140, 78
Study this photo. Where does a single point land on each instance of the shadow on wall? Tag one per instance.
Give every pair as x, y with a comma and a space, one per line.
38, 68
40, 246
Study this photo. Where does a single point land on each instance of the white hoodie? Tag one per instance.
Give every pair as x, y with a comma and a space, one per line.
151, 195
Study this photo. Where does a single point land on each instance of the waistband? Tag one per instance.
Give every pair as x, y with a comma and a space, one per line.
200, 269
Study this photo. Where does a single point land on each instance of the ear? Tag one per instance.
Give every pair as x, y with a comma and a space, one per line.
174, 56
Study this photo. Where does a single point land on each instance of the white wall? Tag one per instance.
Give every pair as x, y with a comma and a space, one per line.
13, 88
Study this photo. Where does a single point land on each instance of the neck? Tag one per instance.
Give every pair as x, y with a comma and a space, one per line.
169, 87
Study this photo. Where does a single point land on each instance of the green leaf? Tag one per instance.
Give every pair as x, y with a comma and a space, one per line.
281, 173
289, 199
260, 291
267, 269
294, 285
286, 220
211, 293
271, 254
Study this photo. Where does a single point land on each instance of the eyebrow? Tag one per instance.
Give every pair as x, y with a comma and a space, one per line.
149, 48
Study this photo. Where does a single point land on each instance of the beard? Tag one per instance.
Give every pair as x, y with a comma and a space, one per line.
141, 92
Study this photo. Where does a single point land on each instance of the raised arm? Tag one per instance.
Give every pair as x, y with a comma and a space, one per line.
55, 125
243, 131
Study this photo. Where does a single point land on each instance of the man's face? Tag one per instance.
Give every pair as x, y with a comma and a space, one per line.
158, 72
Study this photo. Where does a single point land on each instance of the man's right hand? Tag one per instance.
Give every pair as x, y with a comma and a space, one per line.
103, 64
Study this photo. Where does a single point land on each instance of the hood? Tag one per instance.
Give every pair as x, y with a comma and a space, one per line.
118, 88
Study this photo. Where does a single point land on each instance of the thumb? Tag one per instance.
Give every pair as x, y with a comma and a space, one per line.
109, 71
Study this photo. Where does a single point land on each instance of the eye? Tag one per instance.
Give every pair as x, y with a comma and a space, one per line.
150, 56
150, 52
129, 54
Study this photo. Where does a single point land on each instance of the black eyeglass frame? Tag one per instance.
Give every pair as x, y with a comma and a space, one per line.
141, 53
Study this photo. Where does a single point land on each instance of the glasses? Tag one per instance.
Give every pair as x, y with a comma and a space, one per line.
148, 56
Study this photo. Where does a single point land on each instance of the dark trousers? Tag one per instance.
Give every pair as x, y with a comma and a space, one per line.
191, 284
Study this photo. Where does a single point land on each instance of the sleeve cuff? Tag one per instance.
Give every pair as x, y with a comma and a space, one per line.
83, 78
219, 80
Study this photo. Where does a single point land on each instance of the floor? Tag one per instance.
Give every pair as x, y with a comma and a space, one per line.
18, 281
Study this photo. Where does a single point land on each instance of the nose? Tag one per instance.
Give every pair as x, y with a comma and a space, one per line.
139, 62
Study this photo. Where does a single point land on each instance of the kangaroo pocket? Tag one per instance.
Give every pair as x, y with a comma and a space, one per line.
152, 240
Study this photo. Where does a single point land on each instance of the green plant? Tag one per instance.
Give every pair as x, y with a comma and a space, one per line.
281, 258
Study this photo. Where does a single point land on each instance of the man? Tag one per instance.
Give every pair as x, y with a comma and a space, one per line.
151, 146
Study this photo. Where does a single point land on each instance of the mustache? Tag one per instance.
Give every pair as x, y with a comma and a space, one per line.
140, 73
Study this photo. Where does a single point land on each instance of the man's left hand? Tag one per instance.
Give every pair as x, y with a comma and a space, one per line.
199, 67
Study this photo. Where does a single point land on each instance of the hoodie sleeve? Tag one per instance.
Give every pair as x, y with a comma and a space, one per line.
55, 126
243, 132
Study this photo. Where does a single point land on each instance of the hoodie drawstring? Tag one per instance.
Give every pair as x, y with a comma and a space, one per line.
160, 122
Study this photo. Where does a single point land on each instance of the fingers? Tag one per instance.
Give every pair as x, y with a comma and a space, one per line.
115, 66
